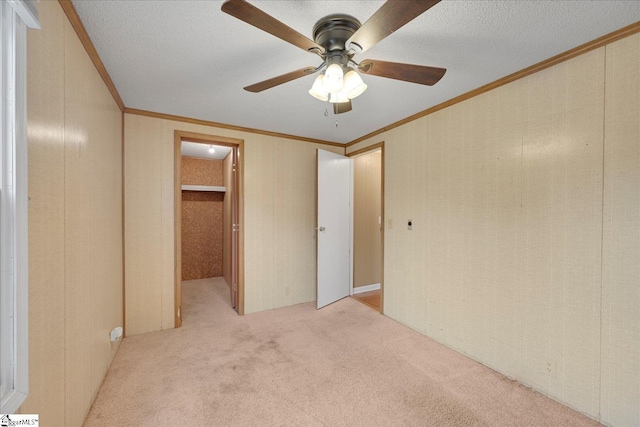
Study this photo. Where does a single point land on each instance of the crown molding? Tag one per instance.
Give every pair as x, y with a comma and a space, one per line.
226, 126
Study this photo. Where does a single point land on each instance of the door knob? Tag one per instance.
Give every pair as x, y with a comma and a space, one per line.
322, 229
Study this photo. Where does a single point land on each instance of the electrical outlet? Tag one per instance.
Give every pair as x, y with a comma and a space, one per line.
550, 367
287, 291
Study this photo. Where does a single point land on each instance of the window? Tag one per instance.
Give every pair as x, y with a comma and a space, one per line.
16, 15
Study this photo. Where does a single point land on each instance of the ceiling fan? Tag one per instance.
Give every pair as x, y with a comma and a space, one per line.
337, 39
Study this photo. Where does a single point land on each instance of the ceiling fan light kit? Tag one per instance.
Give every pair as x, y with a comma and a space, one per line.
333, 78
337, 38
353, 84
335, 86
318, 90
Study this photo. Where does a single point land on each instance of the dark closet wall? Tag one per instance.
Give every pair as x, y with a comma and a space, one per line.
202, 219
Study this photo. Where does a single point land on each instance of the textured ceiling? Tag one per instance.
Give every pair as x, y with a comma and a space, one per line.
188, 58
196, 149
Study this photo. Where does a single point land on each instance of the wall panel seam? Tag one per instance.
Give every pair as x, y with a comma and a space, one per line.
602, 208
122, 169
64, 215
162, 227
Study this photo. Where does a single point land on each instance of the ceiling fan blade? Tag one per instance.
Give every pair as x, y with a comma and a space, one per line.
407, 72
341, 107
275, 81
391, 16
252, 15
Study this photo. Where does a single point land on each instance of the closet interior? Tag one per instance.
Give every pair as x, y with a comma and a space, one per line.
207, 209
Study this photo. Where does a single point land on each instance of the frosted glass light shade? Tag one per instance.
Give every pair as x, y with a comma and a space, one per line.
337, 97
353, 84
333, 78
317, 90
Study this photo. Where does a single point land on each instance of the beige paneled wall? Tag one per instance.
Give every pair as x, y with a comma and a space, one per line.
75, 221
367, 211
508, 260
45, 105
621, 252
279, 208
148, 227
280, 199
405, 302
562, 229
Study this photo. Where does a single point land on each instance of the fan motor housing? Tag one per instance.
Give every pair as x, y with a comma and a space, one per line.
333, 31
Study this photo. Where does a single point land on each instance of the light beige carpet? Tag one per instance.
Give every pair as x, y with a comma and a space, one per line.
344, 365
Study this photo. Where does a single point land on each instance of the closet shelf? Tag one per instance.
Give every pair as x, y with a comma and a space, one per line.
203, 188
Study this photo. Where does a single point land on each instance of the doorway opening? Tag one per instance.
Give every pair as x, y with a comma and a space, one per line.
208, 214
368, 225
345, 259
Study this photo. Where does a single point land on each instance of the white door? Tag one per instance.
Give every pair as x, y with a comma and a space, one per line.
333, 231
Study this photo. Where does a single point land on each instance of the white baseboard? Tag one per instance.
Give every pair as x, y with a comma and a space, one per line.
367, 288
